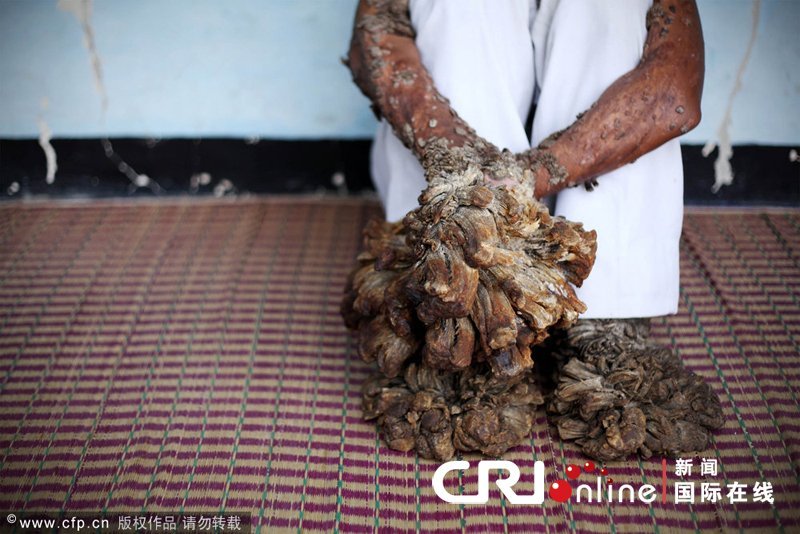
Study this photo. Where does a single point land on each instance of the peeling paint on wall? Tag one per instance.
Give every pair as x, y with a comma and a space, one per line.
723, 172
45, 135
224, 187
137, 180
82, 10
199, 179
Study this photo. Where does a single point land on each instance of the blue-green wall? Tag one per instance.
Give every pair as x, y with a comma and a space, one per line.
270, 68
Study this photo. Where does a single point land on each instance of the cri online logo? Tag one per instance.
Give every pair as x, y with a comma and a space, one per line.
560, 490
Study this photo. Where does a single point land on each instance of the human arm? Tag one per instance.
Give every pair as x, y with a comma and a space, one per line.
656, 101
387, 67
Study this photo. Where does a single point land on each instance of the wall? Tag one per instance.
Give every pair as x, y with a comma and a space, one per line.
181, 68
270, 69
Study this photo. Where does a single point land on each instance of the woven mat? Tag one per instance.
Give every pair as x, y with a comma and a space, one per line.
168, 356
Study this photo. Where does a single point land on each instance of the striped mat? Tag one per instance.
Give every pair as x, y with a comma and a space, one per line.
179, 355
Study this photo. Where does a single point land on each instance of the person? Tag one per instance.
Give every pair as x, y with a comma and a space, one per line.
614, 84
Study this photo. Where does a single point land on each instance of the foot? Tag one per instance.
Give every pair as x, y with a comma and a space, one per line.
440, 412
618, 393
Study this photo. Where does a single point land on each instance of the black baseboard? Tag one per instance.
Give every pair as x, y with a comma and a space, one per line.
268, 166
764, 175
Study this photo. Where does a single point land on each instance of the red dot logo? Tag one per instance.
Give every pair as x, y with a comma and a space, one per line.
573, 471
588, 467
560, 491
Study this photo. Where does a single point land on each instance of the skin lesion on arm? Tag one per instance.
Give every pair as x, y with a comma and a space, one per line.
655, 102
386, 65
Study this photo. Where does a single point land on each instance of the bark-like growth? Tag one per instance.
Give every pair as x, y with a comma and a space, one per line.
474, 274
469, 280
439, 412
618, 393
458, 293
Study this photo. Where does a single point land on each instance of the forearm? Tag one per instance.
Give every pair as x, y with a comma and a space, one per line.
387, 67
653, 103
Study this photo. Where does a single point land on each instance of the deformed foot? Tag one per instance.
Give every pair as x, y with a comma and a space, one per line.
617, 393
439, 412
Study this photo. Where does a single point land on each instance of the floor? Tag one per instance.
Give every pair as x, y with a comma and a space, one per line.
182, 355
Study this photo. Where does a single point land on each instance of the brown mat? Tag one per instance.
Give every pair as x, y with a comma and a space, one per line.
169, 356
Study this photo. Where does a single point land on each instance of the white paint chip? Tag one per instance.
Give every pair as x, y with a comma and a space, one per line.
723, 172
222, 188
137, 180
45, 135
82, 11
198, 179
